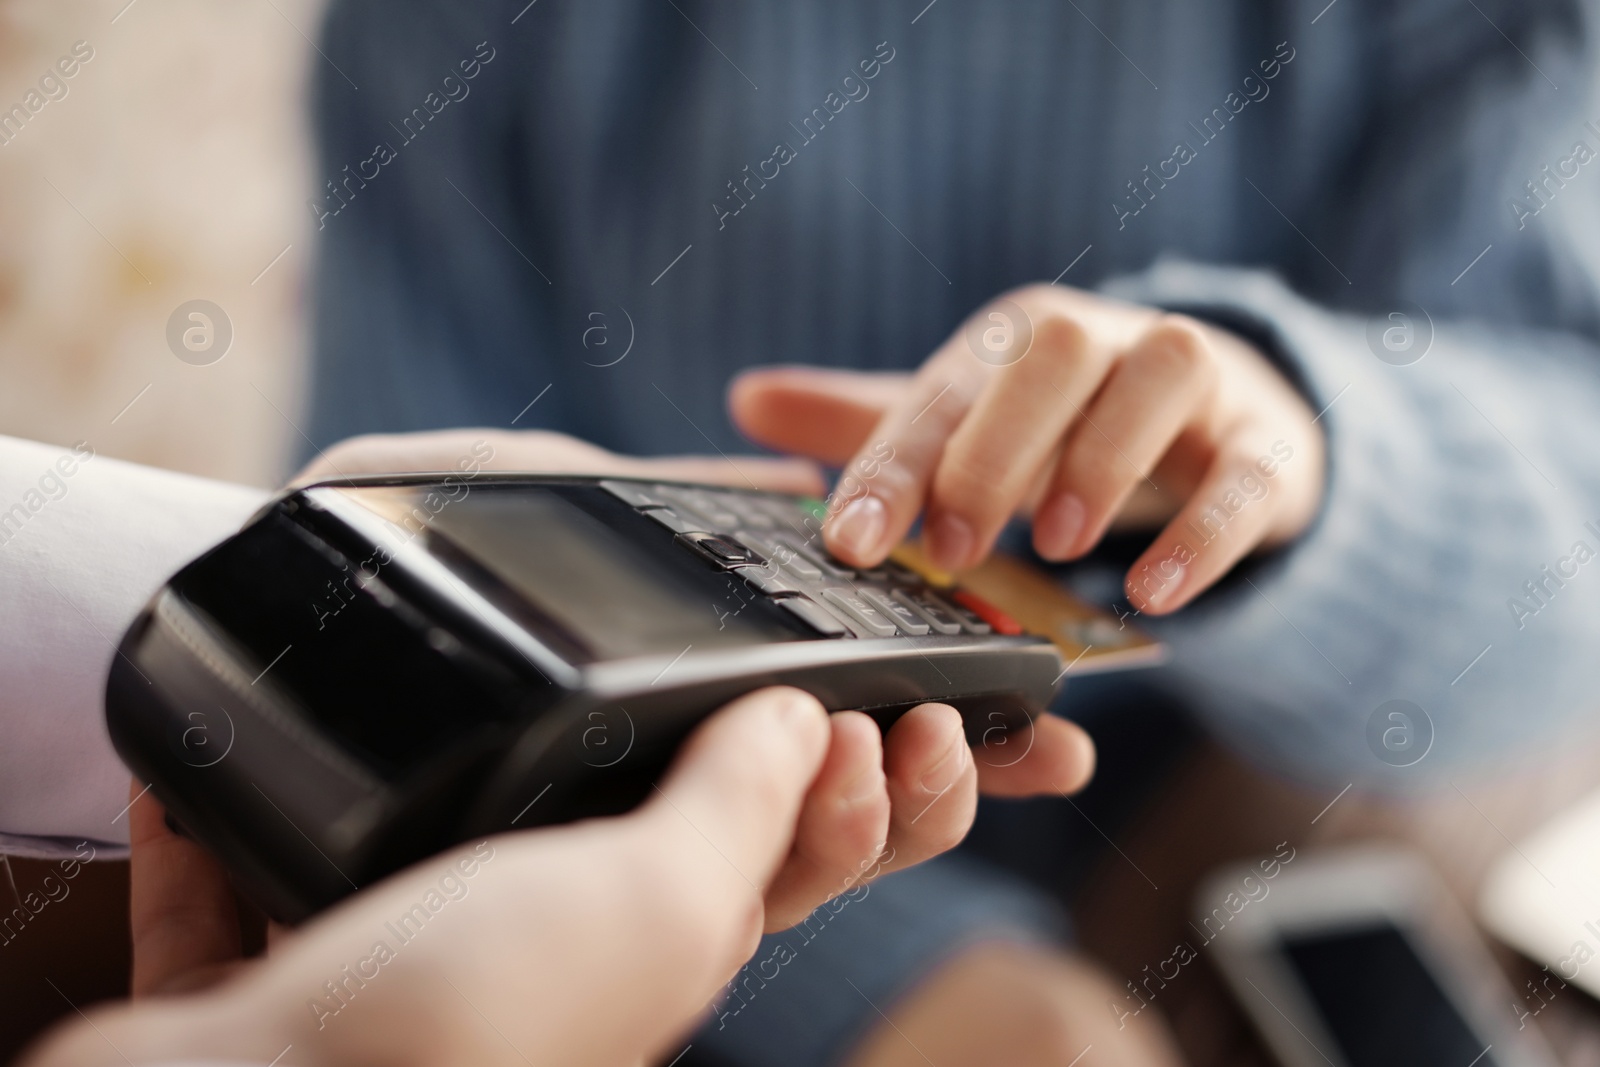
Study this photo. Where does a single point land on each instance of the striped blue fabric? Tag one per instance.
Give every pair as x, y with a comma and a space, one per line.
720, 185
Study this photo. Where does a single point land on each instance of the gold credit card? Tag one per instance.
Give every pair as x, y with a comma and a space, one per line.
1089, 638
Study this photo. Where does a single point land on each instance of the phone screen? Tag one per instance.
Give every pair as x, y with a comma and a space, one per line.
1380, 1001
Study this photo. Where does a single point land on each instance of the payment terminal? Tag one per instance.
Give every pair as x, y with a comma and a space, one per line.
374, 669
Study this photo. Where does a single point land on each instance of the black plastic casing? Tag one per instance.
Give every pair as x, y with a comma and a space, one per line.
321, 711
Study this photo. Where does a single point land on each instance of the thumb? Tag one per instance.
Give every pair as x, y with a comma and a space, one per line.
730, 803
808, 411
771, 473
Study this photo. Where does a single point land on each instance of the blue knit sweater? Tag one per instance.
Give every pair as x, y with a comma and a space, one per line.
626, 201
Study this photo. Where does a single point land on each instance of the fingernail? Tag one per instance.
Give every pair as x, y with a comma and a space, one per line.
943, 774
1057, 526
857, 529
1159, 584
868, 785
950, 542
796, 710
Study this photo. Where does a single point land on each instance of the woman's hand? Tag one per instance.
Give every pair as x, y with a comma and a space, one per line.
549, 453
1072, 408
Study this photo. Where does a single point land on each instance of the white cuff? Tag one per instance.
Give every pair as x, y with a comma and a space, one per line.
84, 542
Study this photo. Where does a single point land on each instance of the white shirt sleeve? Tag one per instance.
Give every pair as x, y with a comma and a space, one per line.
85, 541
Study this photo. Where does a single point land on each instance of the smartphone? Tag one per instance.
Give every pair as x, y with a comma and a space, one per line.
375, 669
1360, 958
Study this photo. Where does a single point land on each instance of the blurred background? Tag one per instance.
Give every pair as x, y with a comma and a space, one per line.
137, 191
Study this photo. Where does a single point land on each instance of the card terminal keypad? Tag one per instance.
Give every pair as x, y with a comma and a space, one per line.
775, 545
